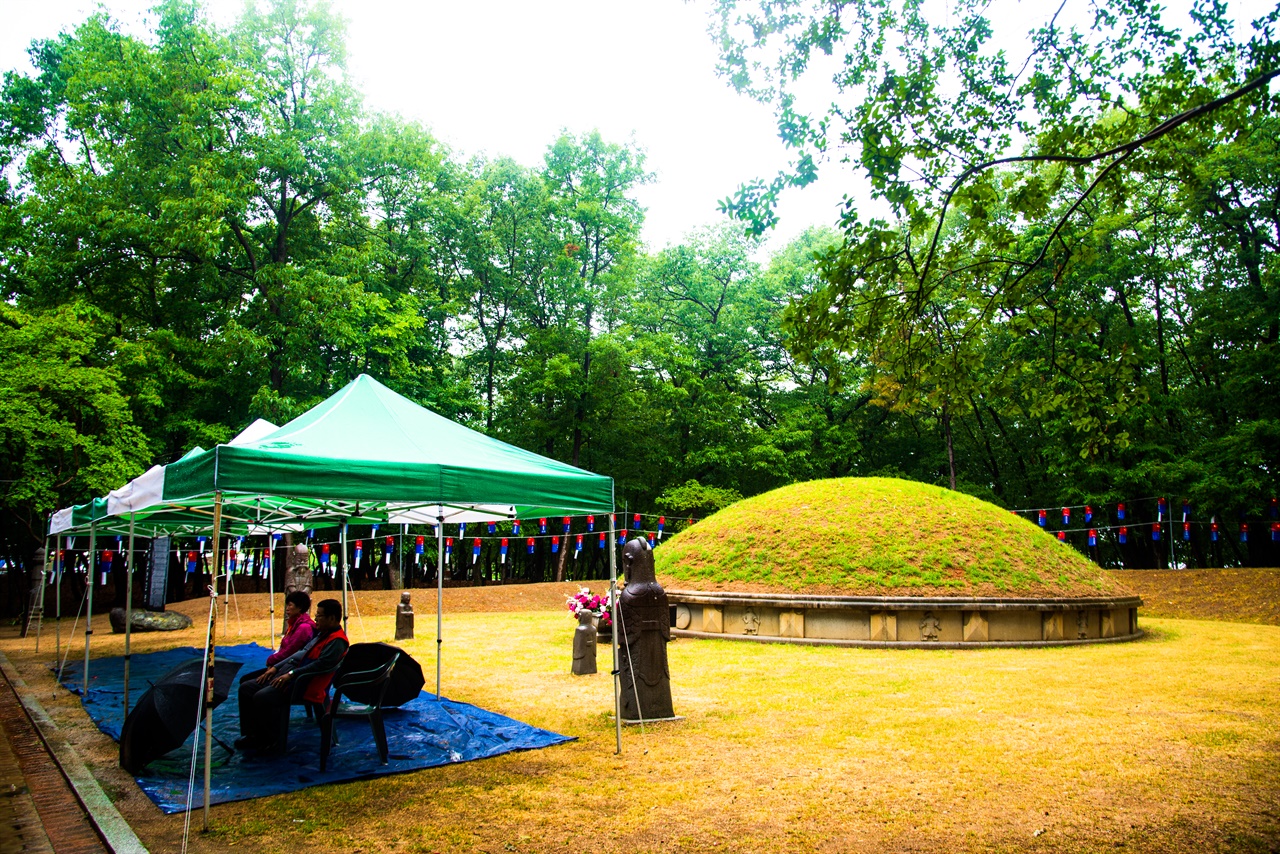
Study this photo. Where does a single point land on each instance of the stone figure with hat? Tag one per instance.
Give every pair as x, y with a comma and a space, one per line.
646, 631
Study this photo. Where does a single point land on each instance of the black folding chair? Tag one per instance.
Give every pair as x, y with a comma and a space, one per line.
373, 682
296, 699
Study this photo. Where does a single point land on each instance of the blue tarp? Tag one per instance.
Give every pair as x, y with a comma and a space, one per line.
423, 733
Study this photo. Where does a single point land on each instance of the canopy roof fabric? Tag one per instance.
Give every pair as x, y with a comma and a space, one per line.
370, 447
366, 454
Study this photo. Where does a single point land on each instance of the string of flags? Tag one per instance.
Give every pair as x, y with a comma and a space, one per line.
1181, 528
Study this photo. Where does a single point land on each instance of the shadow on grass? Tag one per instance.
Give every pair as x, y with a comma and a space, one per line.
1159, 635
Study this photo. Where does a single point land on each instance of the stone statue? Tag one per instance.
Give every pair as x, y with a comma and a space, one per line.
404, 618
646, 630
584, 645
298, 574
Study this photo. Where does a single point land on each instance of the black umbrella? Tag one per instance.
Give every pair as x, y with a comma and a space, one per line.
406, 679
169, 712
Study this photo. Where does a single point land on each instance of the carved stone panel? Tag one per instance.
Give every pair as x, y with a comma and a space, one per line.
713, 619
1107, 624
930, 627
683, 616
1051, 625
1082, 625
750, 622
791, 624
975, 626
884, 626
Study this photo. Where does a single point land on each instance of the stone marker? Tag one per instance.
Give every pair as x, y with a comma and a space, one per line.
646, 630
584, 644
404, 618
298, 574
149, 621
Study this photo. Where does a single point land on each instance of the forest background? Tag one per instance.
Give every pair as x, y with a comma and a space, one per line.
207, 226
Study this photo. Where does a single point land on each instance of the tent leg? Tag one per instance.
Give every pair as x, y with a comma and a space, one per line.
57, 604
213, 642
88, 614
44, 582
58, 597
271, 589
343, 553
613, 600
128, 614
439, 597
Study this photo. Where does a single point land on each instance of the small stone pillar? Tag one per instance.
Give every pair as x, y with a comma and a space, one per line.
404, 618
646, 630
584, 645
298, 575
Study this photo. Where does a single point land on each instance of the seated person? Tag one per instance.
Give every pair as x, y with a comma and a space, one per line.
298, 627
263, 701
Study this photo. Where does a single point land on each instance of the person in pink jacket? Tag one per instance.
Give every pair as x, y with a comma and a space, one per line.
298, 626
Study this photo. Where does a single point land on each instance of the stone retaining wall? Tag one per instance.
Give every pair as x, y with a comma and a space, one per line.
912, 622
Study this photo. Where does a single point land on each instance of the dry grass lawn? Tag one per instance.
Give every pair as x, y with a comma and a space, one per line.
1167, 744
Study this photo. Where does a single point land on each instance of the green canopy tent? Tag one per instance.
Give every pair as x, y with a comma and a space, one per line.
369, 454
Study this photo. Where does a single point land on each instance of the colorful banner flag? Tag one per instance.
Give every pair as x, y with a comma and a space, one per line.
493, 527
1244, 532
635, 522
1186, 532
662, 521
1093, 538
591, 523
502, 551
602, 539
1120, 511
359, 552
1042, 518
191, 563
448, 547
1213, 531
475, 551
555, 545
1088, 514
515, 527
1123, 535
1162, 509
577, 546
1062, 536
530, 544
1066, 516
1155, 532
542, 525
324, 555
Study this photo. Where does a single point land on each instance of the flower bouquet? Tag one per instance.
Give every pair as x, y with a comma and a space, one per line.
600, 608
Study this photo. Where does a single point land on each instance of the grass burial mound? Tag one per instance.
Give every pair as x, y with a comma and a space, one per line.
877, 561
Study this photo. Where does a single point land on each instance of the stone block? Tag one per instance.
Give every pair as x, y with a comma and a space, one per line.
884, 626
1107, 623
712, 619
837, 624
1051, 625
684, 617
1014, 625
791, 624
1080, 625
751, 620
975, 627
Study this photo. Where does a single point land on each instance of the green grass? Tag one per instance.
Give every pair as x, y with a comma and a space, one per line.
873, 536
1165, 744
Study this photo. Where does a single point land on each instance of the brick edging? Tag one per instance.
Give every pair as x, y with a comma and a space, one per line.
107, 820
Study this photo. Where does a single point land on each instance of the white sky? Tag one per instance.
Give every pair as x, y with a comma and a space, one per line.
504, 78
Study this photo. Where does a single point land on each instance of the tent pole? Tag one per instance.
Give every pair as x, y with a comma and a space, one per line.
88, 618
58, 596
44, 581
343, 552
128, 614
213, 643
439, 596
613, 606
57, 606
271, 586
